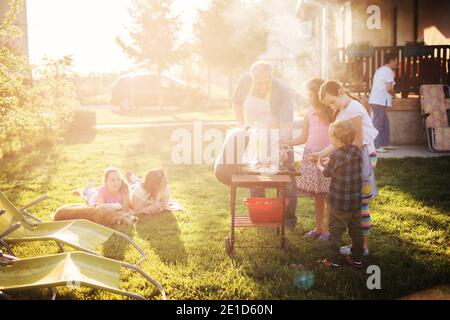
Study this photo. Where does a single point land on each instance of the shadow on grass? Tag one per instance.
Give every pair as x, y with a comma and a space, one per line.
28, 171
163, 236
115, 247
426, 180
405, 267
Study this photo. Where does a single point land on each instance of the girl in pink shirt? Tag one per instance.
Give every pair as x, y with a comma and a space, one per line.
315, 134
114, 191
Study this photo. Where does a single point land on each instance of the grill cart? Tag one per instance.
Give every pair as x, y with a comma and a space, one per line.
263, 212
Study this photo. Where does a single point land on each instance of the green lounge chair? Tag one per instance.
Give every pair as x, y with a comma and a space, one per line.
80, 234
73, 269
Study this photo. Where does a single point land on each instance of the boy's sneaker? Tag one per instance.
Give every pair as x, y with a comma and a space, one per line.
355, 264
313, 234
347, 251
327, 263
324, 236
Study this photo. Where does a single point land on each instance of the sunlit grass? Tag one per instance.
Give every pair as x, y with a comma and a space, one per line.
185, 250
110, 115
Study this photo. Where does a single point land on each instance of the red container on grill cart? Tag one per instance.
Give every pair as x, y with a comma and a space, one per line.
265, 209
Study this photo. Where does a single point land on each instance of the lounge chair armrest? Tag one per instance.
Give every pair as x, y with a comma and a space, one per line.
134, 244
32, 203
28, 222
6, 259
29, 215
148, 278
11, 229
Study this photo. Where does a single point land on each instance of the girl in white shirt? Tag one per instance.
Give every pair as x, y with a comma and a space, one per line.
151, 195
348, 109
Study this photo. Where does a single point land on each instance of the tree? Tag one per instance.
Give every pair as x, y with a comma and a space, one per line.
153, 35
13, 85
230, 34
30, 113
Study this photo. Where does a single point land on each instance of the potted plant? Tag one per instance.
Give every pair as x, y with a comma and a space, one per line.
359, 50
416, 49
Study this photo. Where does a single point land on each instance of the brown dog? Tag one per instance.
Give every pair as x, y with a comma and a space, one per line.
107, 217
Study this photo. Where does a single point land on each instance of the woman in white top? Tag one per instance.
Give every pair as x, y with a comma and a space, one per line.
348, 109
151, 195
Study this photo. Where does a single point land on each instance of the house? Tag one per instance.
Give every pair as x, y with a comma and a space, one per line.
417, 29
353, 35
393, 22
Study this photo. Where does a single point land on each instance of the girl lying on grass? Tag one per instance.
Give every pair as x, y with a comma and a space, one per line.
151, 195
108, 206
120, 202
113, 194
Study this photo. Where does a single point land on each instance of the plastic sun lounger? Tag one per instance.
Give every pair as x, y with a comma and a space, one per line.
74, 269
80, 234
435, 111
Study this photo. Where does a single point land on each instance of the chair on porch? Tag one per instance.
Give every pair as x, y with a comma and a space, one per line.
435, 108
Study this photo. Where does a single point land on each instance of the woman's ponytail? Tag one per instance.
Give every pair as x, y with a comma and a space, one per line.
334, 88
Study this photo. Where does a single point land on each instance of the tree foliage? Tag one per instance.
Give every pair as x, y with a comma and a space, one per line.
13, 67
31, 111
153, 33
231, 34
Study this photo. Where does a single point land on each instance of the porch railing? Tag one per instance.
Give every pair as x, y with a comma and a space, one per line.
417, 65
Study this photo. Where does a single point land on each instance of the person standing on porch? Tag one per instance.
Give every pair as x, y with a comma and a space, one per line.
381, 98
260, 97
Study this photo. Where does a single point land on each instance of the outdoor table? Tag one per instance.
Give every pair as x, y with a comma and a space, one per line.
277, 181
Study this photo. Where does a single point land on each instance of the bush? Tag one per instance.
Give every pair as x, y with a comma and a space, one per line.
31, 112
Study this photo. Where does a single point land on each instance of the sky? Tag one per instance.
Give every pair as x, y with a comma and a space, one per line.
87, 30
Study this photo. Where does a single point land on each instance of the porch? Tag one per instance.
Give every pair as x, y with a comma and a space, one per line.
418, 64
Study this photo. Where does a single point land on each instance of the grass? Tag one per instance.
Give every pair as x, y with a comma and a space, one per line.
106, 114
410, 236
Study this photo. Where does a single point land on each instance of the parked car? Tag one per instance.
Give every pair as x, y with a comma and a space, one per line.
141, 90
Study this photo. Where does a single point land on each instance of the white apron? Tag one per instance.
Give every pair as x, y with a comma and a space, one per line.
263, 133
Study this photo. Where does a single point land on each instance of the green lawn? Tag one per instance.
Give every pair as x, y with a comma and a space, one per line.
410, 236
108, 115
